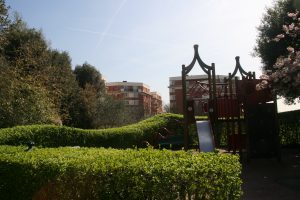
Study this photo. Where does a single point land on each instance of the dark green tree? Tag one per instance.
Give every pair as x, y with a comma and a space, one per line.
91, 94
87, 74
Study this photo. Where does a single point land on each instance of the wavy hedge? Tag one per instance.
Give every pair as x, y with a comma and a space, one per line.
98, 173
122, 137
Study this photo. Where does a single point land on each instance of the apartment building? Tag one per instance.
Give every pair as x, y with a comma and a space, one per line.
136, 95
156, 103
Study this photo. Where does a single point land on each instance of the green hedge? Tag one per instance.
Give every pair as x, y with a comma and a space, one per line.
123, 137
289, 124
91, 173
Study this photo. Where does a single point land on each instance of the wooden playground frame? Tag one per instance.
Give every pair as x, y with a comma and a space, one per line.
232, 106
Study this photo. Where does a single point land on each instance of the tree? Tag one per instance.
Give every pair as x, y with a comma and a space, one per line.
167, 108
92, 90
284, 78
30, 60
87, 74
4, 20
109, 113
271, 25
61, 83
22, 103
26, 50
4, 23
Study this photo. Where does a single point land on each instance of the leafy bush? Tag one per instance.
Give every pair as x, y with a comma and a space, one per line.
289, 124
122, 137
91, 173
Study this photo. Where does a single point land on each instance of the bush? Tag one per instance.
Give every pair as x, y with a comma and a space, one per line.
90, 173
122, 137
289, 124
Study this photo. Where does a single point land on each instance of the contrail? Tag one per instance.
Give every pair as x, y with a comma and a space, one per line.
111, 21
121, 37
83, 30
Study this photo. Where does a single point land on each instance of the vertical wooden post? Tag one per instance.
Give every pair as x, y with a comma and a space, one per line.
226, 114
240, 139
215, 105
277, 129
231, 114
184, 102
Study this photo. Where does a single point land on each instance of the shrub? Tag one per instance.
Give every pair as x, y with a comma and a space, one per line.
122, 137
289, 124
91, 173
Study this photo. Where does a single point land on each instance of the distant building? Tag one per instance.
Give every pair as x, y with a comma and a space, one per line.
200, 99
156, 103
136, 95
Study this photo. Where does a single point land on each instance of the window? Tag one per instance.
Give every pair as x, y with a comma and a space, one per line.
135, 89
133, 102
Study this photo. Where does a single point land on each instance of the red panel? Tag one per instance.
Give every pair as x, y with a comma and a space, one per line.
227, 108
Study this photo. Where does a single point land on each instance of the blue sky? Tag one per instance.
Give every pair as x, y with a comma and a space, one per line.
148, 40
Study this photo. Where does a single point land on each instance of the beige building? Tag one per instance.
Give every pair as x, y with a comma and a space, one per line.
136, 95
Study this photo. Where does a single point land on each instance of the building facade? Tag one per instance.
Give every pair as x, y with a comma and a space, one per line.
156, 103
136, 96
198, 94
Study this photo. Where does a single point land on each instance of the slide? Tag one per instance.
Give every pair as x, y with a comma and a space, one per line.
205, 136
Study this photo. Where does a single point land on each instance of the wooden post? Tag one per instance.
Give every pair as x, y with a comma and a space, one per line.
215, 106
278, 147
185, 125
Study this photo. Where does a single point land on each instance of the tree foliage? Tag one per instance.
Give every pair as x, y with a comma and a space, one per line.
271, 25
280, 50
39, 85
86, 74
22, 103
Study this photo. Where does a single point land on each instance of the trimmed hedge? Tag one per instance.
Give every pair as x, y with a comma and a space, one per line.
289, 124
122, 137
91, 173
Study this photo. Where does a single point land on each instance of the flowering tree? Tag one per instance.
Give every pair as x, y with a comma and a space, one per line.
284, 78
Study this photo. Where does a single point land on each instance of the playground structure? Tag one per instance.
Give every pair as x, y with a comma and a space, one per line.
247, 117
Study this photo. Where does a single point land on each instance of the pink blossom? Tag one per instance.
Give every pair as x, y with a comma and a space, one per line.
293, 15
290, 14
291, 26
264, 76
290, 49
280, 36
285, 28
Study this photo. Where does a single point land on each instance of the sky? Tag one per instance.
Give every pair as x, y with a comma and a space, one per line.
148, 40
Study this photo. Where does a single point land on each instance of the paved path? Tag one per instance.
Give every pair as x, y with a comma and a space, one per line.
268, 179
